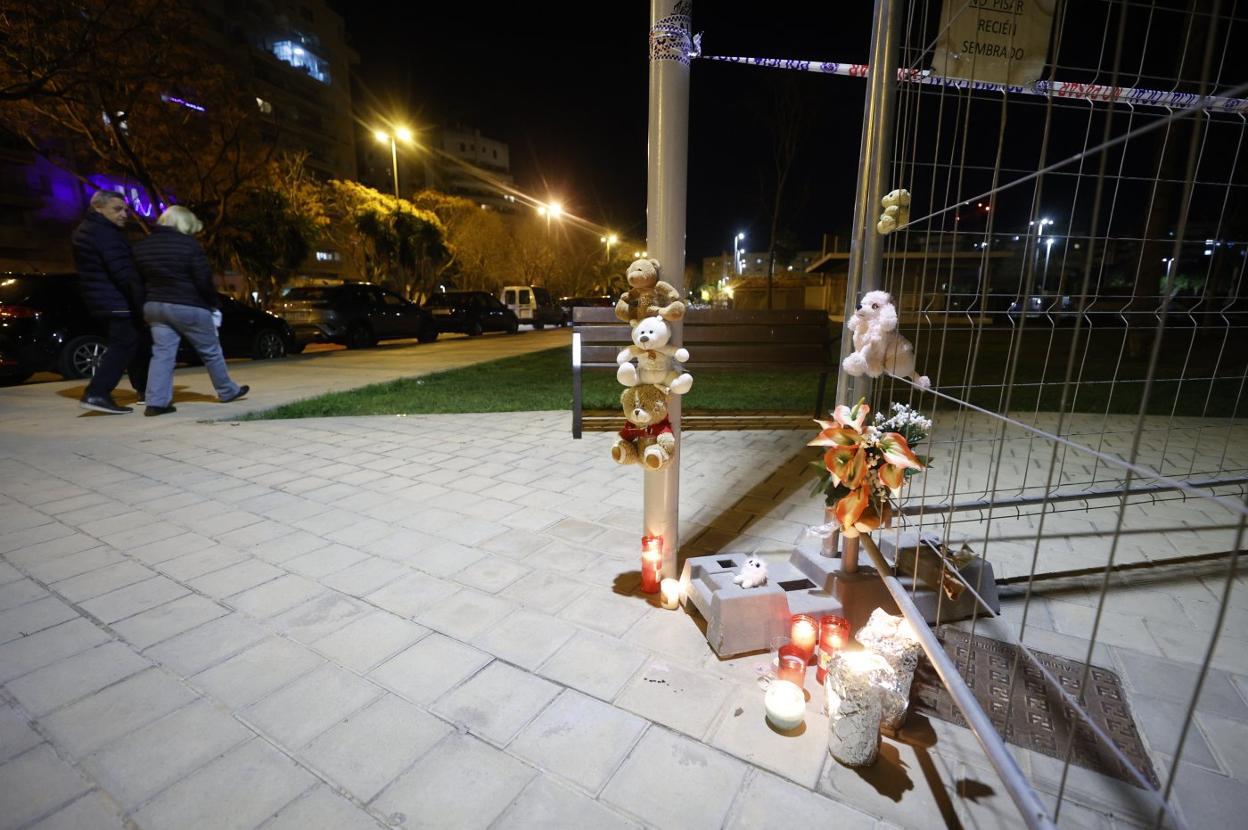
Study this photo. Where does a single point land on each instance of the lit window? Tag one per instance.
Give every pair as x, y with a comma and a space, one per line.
294, 54
264, 106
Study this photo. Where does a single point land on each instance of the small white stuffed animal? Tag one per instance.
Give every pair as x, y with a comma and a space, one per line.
878, 348
896, 211
656, 360
752, 574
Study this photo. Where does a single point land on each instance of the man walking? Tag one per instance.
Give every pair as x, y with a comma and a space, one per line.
113, 292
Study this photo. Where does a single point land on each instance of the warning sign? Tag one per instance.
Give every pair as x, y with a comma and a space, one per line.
1001, 41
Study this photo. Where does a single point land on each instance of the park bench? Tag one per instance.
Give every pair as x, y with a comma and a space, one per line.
717, 341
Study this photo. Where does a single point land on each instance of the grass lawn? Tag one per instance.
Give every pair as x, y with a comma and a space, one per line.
1111, 380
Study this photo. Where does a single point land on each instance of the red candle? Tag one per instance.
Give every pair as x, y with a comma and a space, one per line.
833, 635
651, 564
791, 665
803, 632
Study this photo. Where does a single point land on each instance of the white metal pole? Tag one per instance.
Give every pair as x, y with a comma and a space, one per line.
667, 153
865, 245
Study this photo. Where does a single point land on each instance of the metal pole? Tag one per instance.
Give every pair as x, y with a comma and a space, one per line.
394, 164
1024, 797
865, 245
666, 181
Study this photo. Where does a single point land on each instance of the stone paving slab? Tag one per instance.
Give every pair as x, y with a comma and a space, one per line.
357, 620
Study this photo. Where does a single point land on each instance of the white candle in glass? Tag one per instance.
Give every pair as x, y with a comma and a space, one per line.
669, 593
785, 703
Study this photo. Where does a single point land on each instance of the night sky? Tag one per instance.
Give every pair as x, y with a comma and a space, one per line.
570, 98
569, 95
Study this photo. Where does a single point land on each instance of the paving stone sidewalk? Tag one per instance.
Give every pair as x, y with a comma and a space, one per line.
434, 621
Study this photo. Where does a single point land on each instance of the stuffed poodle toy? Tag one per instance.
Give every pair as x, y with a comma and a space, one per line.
647, 295
751, 574
878, 348
656, 360
648, 437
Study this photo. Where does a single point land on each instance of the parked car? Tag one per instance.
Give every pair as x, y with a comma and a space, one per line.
570, 303
45, 327
533, 304
355, 314
471, 313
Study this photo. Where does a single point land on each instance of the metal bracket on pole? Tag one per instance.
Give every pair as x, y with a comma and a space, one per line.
666, 183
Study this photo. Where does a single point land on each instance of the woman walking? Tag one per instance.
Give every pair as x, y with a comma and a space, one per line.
181, 301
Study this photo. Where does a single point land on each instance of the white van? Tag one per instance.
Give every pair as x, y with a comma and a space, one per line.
533, 304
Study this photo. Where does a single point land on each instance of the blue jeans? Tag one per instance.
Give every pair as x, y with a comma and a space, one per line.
170, 323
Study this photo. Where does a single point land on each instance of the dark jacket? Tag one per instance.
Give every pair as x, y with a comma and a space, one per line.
175, 269
106, 274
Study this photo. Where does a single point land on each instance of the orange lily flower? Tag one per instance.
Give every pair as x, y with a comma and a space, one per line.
834, 435
850, 508
848, 465
854, 416
897, 452
893, 477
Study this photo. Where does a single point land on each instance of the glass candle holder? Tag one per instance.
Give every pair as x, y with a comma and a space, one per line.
669, 594
785, 705
791, 665
833, 635
651, 564
804, 633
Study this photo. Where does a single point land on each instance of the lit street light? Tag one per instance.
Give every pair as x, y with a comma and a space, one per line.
554, 209
400, 134
736, 256
609, 239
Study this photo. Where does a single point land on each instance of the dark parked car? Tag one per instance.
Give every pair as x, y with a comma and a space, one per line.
355, 314
45, 327
570, 303
471, 313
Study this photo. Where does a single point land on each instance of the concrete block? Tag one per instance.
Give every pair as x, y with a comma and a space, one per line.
321, 807
526, 638
606, 611
168, 620
195, 650
16, 734
743, 732
94, 810
320, 616
546, 805
363, 643
26, 654
662, 692
428, 669
770, 801
594, 664
94, 583
133, 599
465, 614
51, 687
260, 670
33, 617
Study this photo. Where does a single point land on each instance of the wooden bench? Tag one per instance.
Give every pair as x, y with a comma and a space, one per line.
716, 340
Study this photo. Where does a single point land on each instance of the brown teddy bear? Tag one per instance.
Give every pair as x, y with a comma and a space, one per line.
647, 295
648, 437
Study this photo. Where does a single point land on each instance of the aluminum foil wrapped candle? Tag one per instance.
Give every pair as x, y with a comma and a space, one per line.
853, 690
893, 639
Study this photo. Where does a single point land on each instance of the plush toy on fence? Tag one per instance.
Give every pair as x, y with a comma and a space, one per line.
648, 436
656, 360
647, 295
878, 348
896, 211
752, 574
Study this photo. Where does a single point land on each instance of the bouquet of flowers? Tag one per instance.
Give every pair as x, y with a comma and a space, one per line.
866, 465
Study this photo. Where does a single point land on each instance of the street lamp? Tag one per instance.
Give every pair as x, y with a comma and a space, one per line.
554, 209
610, 239
400, 134
736, 256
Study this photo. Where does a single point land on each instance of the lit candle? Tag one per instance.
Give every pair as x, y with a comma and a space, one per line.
669, 593
785, 703
854, 706
651, 563
833, 635
791, 665
803, 633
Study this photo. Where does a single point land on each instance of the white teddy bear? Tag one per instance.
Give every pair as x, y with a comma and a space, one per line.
752, 574
896, 211
656, 360
878, 348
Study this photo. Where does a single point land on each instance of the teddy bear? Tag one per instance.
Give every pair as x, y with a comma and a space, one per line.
647, 295
752, 574
878, 348
648, 436
655, 358
896, 211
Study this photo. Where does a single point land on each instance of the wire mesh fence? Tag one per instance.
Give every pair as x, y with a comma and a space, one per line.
1073, 281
